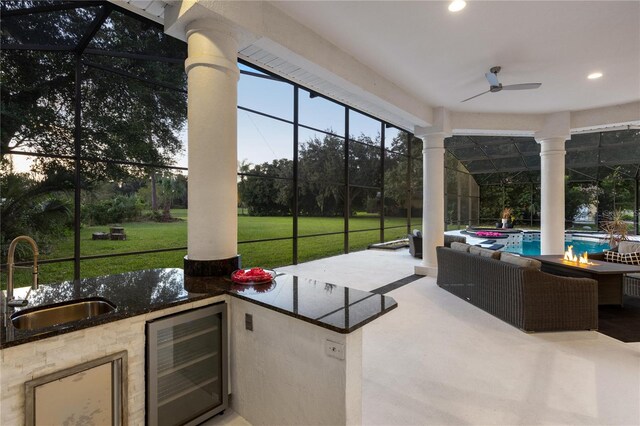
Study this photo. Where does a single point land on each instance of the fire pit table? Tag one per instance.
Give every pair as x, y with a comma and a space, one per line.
608, 274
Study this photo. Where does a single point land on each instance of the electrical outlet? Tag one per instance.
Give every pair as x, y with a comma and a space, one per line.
248, 322
334, 349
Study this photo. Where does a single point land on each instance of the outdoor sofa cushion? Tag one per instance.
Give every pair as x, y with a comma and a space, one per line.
520, 261
484, 252
460, 246
628, 247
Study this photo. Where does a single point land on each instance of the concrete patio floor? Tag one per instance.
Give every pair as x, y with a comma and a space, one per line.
438, 360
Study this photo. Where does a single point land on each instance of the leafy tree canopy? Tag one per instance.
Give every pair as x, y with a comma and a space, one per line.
123, 118
321, 189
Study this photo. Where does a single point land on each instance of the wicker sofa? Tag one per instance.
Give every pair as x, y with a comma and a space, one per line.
524, 297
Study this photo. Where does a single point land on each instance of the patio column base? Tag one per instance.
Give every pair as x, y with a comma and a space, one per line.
427, 271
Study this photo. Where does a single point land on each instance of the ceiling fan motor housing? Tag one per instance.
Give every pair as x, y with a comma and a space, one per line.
496, 86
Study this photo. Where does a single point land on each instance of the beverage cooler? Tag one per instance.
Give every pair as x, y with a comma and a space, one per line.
187, 366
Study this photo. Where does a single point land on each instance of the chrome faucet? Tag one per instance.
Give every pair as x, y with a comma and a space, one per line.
11, 301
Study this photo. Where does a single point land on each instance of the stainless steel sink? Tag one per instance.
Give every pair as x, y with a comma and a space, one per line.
61, 313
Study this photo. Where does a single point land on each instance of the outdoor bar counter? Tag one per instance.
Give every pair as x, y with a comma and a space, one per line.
336, 308
295, 344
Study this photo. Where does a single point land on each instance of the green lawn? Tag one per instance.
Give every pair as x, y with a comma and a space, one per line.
143, 236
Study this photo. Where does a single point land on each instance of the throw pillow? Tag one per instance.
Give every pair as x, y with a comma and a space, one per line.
484, 252
520, 261
626, 258
474, 250
611, 256
460, 247
493, 254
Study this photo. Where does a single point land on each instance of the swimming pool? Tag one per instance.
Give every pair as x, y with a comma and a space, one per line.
532, 248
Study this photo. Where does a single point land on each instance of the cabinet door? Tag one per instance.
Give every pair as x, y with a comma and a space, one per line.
90, 393
186, 366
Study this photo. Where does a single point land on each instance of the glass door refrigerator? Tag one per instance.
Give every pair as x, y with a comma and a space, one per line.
187, 366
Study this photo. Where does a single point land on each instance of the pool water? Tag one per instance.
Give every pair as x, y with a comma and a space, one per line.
532, 248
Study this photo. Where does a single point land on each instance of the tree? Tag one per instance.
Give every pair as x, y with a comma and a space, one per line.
616, 193
397, 196
322, 172
578, 195
364, 170
395, 186
321, 184
173, 190
122, 118
37, 207
263, 193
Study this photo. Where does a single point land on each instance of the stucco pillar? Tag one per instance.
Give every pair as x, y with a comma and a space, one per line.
213, 75
473, 197
432, 202
552, 171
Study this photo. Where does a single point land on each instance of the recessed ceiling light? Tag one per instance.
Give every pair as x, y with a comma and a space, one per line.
594, 75
457, 5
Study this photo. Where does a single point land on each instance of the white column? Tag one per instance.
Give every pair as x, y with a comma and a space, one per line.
552, 172
212, 136
473, 194
432, 202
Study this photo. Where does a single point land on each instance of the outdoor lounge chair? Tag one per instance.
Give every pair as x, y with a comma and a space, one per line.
415, 242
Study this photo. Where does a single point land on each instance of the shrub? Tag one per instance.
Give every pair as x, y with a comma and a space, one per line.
41, 209
118, 209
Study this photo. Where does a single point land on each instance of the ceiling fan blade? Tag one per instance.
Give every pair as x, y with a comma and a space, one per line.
468, 99
523, 86
492, 79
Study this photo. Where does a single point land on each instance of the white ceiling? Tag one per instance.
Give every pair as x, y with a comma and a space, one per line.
441, 57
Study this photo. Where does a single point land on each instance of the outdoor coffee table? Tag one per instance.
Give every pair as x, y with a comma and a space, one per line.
608, 274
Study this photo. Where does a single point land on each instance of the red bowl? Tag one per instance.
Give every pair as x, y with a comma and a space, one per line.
236, 277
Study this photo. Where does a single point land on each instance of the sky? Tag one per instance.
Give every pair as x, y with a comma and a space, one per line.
263, 139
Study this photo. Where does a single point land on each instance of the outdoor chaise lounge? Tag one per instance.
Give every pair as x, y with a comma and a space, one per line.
514, 289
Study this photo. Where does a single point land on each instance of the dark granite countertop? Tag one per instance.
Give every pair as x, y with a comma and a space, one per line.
133, 293
340, 309
330, 306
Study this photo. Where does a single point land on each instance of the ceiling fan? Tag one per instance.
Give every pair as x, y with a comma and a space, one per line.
494, 86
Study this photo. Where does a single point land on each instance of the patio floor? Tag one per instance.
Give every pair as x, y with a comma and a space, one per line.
439, 360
